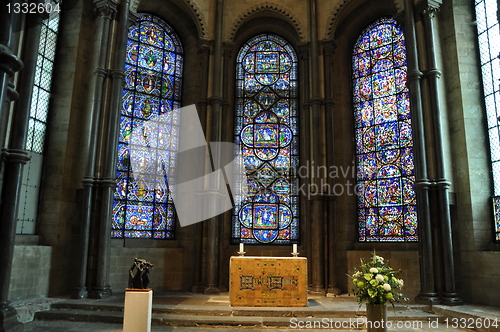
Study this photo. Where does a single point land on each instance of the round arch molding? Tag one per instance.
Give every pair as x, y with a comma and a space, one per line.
267, 9
189, 7
345, 7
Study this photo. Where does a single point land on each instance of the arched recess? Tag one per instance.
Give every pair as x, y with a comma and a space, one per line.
263, 21
348, 12
188, 10
267, 18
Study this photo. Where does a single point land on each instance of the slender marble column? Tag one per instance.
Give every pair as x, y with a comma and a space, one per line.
422, 184
204, 51
107, 8
108, 181
215, 136
428, 10
328, 51
317, 136
15, 157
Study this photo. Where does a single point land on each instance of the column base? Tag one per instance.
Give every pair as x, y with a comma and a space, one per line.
8, 320
80, 293
211, 290
451, 299
197, 289
427, 298
332, 292
100, 293
317, 291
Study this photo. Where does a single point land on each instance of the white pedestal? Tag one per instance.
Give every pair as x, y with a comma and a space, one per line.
137, 315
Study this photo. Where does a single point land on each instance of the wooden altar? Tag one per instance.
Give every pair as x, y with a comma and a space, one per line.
268, 281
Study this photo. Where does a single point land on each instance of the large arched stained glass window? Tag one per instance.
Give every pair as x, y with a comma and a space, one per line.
386, 208
267, 133
153, 75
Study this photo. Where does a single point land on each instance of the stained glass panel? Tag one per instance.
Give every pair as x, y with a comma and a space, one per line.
489, 48
387, 207
153, 73
266, 131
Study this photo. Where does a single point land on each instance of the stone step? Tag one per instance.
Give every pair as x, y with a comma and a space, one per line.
311, 312
226, 321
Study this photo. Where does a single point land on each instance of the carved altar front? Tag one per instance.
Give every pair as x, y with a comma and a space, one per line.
268, 281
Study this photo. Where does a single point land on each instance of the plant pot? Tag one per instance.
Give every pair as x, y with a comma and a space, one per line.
376, 317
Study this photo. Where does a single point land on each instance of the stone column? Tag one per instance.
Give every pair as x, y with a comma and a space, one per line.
331, 280
106, 8
15, 157
204, 51
317, 133
427, 290
428, 9
101, 288
215, 121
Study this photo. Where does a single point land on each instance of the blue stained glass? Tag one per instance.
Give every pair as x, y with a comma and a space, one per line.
152, 88
267, 133
387, 206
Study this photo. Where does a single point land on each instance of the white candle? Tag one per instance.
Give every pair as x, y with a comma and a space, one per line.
241, 247
295, 248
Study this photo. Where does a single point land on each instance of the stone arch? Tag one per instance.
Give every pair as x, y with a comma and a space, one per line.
266, 6
191, 9
337, 13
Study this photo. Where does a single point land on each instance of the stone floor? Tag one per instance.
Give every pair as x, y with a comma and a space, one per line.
183, 312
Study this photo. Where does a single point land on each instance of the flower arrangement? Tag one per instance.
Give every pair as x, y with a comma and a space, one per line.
376, 283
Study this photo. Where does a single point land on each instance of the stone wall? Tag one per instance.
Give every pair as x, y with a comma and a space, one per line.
167, 273
407, 261
30, 272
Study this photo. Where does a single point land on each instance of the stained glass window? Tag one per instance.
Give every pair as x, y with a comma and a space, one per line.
384, 147
153, 75
489, 48
266, 131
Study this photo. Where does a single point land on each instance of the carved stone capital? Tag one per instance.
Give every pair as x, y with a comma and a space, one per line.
106, 8
303, 51
204, 46
429, 8
329, 47
228, 50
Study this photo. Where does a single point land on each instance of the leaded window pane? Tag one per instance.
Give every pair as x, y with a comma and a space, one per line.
153, 77
266, 131
489, 49
387, 209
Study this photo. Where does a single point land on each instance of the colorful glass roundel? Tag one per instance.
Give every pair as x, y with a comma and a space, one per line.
387, 209
266, 131
153, 75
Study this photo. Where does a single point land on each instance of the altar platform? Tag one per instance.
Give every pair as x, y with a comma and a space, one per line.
182, 312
